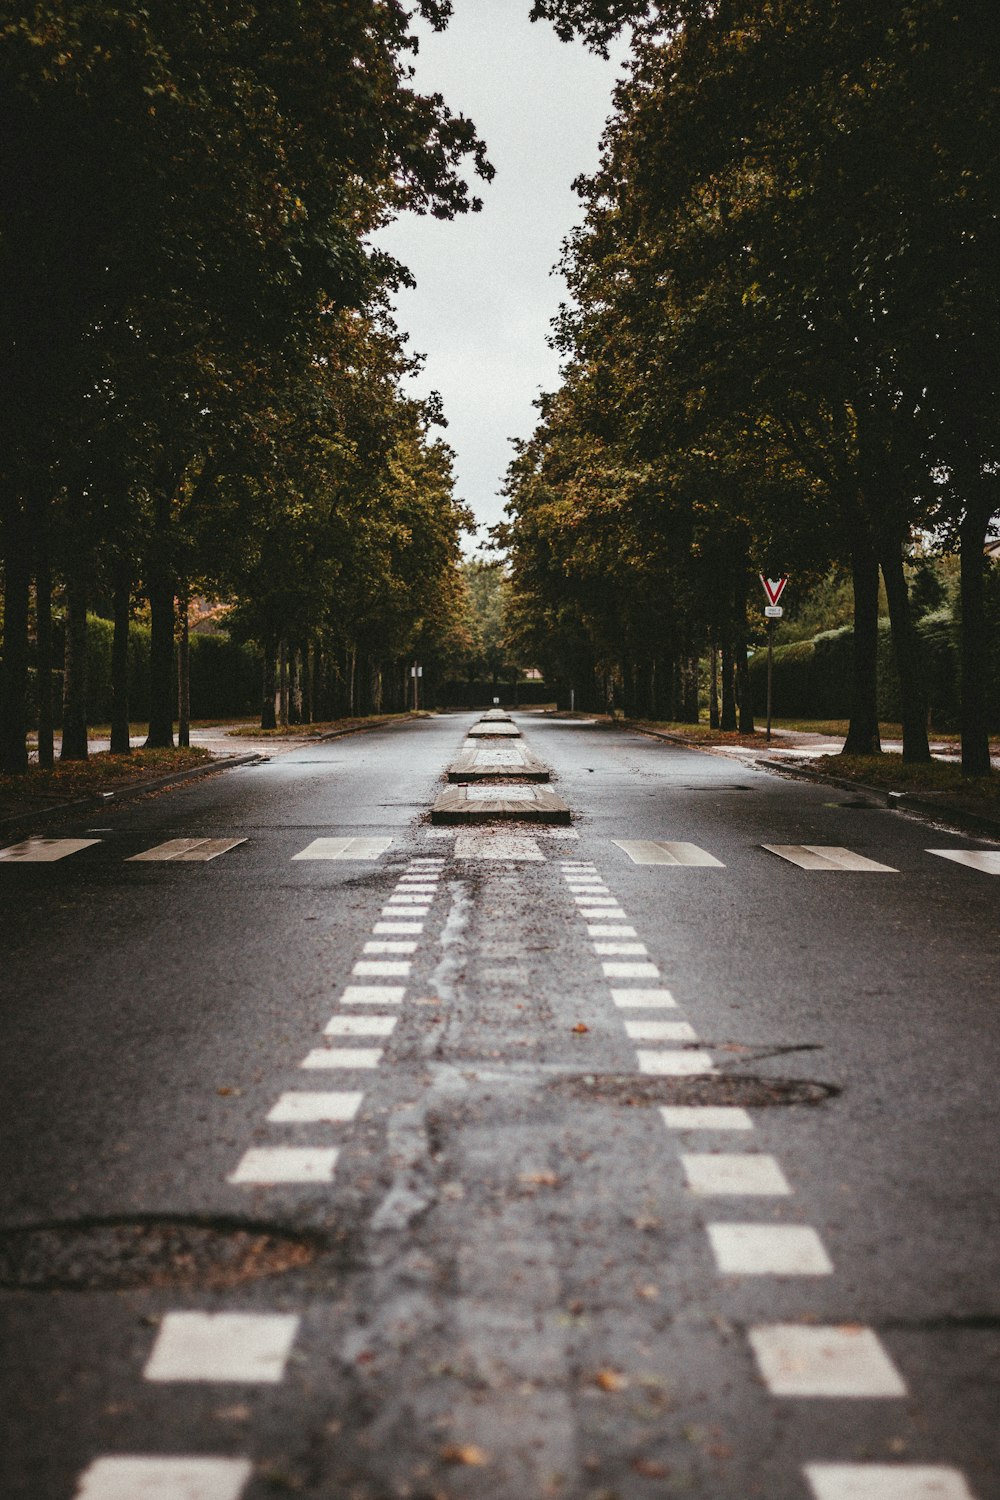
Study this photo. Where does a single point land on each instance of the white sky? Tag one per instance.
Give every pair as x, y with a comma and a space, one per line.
485, 293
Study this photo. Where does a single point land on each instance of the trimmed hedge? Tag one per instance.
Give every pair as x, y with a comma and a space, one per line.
812, 679
225, 677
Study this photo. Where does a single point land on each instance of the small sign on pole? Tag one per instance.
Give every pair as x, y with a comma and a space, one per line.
773, 588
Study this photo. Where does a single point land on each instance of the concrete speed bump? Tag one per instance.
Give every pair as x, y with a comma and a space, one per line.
492, 762
495, 716
480, 804
489, 731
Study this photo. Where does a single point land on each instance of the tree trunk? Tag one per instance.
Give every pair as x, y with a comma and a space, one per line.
184, 670
743, 663
906, 651
352, 675
14, 676
282, 684
74, 715
713, 687
268, 684
43, 651
974, 646
727, 720
863, 732
120, 742
161, 661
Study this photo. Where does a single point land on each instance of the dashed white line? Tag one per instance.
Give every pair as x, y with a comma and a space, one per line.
660, 1031
886, 1482
186, 851
768, 1250
373, 994
985, 860
616, 970
675, 1064
666, 852
734, 1174
342, 1057
398, 927
388, 946
360, 1026
827, 857
344, 848
605, 930
607, 911
184, 1478
305, 1108
390, 968
834, 1361
270, 1165
643, 999
399, 911
621, 948
226, 1346
408, 898
705, 1117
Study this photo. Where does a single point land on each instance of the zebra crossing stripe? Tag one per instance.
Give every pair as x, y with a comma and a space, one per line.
985, 860
768, 1250
267, 1166
184, 1478
666, 852
344, 848
179, 851
225, 1346
826, 857
849, 1361
886, 1482
43, 851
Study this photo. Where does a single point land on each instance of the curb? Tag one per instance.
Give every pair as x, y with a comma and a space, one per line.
124, 794
338, 734
939, 812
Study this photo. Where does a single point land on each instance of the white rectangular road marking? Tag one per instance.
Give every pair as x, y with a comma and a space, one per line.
391, 968
373, 994
637, 949
360, 1026
383, 945
400, 911
806, 1361
986, 860
705, 1117
615, 970
826, 857
398, 926
342, 1057
127, 1478
886, 1482
609, 912
270, 1165
643, 999
602, 898
184, 851
226, 1346
307, 1109
666, 852
44, 851
606, 931
344, 848
734, 1174
768, 1250
660, 1031
410, 898
675, 1064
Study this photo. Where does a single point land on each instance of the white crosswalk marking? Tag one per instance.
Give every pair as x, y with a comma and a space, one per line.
270, 1165
616, 970
705, 1117
360, 1026
182, 851
985, 860
660, 1031
304, 1108
342, 1057
643, 999
886, 1482
768, 1250
666, 852
675, 1064
43, 851
826, 857
344, 848
734, 1174
796, 1360
623, 949
373, 994
398, 968
244, 1347
141, 1478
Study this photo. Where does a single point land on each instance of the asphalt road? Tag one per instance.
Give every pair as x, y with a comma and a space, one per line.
519, 1278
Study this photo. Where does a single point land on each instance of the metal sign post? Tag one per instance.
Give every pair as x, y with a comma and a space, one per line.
773, 588
416, 673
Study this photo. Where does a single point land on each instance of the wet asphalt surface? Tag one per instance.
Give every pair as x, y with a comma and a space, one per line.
507, 1290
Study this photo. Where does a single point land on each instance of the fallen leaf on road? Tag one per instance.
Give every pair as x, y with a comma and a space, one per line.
650, 1469
539, 1179
464, 1453
649, 1293
579, 1028
610, 1380
226, 1092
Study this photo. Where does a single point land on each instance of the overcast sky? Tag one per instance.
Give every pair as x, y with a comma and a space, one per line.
485, 293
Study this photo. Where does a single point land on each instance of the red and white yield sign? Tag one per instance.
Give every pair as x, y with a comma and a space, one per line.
774, 588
